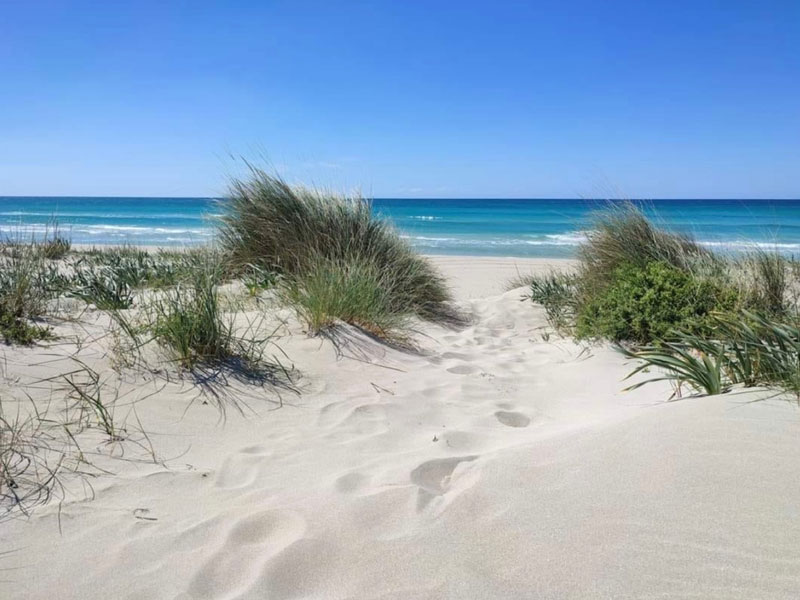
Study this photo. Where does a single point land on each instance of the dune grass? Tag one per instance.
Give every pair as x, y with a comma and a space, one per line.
556, 292
316, 240
635, 282
353, 292
26, 280
621, 235
29, 466
187, 319
198, 332
706, 320
747, 349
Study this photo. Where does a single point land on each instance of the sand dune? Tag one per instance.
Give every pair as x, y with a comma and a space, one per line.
494, 463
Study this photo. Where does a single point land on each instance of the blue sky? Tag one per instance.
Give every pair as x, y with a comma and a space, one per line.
412, 99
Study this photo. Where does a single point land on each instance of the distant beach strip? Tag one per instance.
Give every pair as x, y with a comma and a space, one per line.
479, 227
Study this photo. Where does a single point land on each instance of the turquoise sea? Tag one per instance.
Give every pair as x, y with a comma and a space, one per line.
495, 227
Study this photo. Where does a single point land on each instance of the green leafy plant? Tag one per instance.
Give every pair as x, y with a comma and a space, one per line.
681, 364
256, 278
645, 303
746, 349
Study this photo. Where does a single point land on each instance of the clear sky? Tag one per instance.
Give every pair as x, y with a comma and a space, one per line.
691, 99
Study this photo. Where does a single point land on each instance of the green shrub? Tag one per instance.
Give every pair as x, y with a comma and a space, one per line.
644, 303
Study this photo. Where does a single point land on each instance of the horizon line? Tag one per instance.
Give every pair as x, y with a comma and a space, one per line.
648, 199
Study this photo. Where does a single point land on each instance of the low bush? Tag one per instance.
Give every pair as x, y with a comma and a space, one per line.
645, 303
637, 283
620, 236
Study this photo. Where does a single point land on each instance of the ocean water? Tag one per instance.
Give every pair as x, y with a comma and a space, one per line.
490, 227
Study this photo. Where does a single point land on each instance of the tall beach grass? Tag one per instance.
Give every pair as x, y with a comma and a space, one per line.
321, 242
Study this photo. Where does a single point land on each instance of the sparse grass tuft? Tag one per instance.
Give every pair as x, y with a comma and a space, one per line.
28, 472
769, 282
189, 321
556, 293
25, 288
103, 287
56, 247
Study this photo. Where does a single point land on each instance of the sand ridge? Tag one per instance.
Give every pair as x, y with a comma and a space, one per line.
494, 463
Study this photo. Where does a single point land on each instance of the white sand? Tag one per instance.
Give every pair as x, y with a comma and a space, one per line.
495, 464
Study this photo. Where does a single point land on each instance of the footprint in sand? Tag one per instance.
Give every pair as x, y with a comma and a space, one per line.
510, 418
241, 469
237, 562
350, 482
462, 369
455, 355
433, 476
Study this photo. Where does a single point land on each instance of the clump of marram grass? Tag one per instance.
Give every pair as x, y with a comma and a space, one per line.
56, 248
350, 291
770, 278
306, 235
622, 235
187, 320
